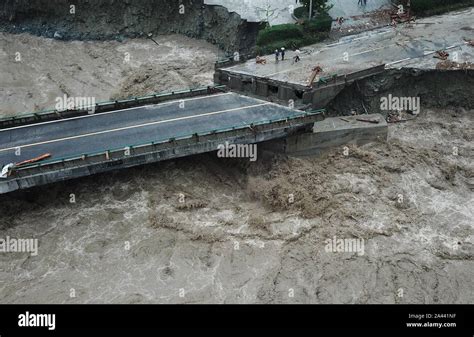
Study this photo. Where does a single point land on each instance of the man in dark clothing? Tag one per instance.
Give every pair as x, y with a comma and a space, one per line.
296, 58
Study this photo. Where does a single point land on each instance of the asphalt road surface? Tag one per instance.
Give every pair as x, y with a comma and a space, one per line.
404, 45
128, 127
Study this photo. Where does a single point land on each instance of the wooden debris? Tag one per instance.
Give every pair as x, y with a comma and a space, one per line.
261, 60
373, 121
441, 54
470, 42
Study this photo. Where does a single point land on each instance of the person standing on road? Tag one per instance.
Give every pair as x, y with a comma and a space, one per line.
282, 53
297, 58
277, 54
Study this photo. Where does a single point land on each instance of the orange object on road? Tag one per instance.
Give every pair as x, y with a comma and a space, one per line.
261, 60
316, 70
34, 160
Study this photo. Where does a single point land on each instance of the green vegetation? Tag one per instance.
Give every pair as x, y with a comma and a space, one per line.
321, 23
292, 36
319, 6
278, 33
301, 13
291, 43
434, 7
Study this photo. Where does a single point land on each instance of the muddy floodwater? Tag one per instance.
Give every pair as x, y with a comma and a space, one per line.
207, 230
36, 70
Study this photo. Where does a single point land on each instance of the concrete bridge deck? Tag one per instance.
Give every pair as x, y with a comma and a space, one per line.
353, 57
95, 143
122, 128
391, 46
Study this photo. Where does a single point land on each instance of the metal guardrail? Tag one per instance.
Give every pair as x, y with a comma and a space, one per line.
45, 115
80, 158
231, 60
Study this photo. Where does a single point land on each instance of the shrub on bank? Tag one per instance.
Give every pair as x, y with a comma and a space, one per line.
279, 32
301, 13
292, 36
321, 23
291, 44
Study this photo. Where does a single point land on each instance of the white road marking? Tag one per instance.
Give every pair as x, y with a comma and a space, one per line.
395, 62
360, 38
370, 50
131, 127
314, 56
114, 111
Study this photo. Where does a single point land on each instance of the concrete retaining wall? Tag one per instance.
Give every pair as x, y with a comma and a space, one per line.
336, 132
316, 97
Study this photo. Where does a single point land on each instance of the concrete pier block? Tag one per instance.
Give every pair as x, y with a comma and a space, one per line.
338, 131
262, 88
235, 83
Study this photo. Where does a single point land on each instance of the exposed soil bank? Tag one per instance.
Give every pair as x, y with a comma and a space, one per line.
435, 88
105, 19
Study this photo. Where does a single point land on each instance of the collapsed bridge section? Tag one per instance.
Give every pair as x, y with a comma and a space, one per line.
95, 143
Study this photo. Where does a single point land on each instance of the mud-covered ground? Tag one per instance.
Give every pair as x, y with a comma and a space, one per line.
36, 70
205, 230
